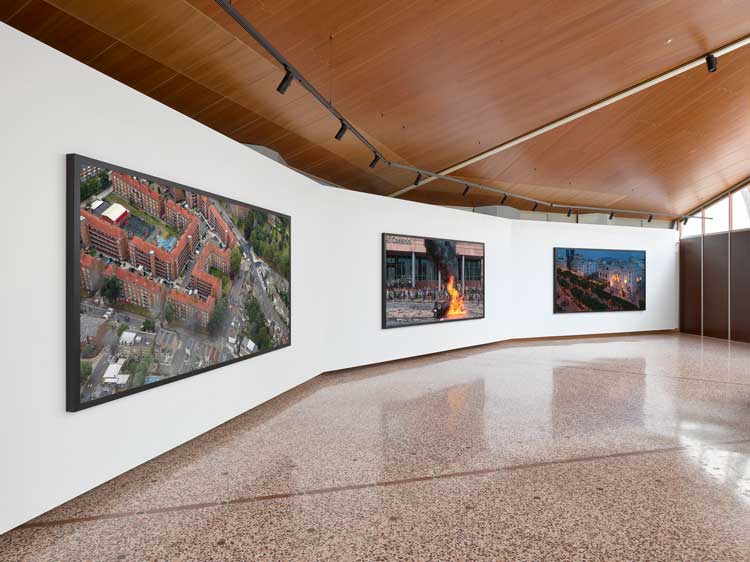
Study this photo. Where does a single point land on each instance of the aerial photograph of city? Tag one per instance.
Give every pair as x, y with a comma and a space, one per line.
429, 280
173, 281
599, 280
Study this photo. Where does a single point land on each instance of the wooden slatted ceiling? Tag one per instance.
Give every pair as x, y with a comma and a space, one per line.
434, 83
668, 148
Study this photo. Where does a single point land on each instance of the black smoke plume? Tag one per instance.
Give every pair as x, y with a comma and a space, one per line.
443, 254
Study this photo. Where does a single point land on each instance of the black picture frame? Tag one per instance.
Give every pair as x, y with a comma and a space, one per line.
73, 287
383, 266
554, 281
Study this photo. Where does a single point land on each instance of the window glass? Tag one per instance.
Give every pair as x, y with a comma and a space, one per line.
741, 209
716, 217
425, 270
692, 228
473, 269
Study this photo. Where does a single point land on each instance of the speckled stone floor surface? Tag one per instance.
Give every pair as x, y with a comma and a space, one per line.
627, 448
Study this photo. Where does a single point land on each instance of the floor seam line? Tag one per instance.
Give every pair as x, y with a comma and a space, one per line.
383, 483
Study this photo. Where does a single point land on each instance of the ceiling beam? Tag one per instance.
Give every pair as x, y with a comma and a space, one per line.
739, 43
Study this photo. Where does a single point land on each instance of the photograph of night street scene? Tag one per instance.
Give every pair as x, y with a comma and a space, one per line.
599, 280
428, 280
172, 281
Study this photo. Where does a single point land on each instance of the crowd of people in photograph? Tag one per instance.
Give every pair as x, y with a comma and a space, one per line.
399, 290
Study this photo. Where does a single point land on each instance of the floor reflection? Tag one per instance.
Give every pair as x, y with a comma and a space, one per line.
454, 413
626, 448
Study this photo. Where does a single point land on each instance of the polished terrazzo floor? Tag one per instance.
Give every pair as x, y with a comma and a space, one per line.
624, 448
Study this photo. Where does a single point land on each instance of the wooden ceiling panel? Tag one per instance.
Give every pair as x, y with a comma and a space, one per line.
225, 115
185, 95
647, 148
491, 70
228, 67
59, 30
431, 84
10, 7
131, 67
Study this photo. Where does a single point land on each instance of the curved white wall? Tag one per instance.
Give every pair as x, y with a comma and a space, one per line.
52, 105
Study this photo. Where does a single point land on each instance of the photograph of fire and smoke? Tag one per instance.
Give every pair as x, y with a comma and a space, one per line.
430, 280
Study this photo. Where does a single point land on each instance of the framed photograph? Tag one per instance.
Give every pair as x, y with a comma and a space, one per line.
594, 280
429, 280
165, 281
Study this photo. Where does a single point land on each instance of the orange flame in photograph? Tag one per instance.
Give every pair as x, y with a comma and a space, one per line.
456, 308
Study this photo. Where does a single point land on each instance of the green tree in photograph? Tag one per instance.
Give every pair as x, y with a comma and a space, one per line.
263, 338
170, 312
121, 328
217, 317
141, 369
148, 325
252, 308
112, 289
103, 178
234, 261
85, 371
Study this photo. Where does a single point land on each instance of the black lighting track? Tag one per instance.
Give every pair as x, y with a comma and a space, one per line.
291, 70
291, 74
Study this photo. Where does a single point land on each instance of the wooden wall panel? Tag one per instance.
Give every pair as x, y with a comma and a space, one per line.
690, 285
716, 285
740, 293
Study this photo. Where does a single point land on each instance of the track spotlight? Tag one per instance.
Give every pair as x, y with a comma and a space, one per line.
504, 198
418, 179
650, 218
466, 190
534, 207
611, 215
342, 131
570, 212
684, 221
712, 63
285, 82
375, 161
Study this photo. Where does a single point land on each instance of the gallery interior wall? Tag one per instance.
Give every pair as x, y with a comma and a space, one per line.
53, 105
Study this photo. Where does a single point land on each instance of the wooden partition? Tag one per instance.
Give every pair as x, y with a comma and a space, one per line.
739, 302
690, 285
716, 285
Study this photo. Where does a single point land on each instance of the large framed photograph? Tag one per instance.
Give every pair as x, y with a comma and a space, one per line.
428, 280
165, 281
593, 280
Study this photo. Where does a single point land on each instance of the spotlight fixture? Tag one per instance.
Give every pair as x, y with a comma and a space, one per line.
712, 63
466, 190
342, 131
504, 198
534, 207
570, 212
285, 82
611, 215
684, 221
375, 161
418, 179
650, 218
